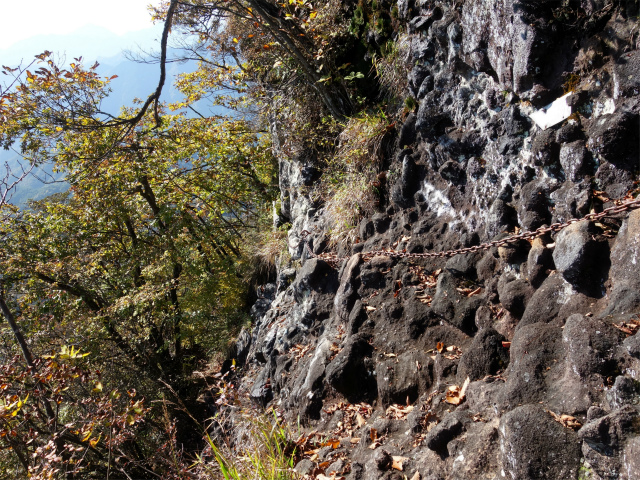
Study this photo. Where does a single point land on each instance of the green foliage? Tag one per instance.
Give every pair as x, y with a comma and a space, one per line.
410, 103
382, 26
143, 265
358, 21
264, 451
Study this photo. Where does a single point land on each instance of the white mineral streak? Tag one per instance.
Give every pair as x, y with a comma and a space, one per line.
604, 108
552, 114
437, 201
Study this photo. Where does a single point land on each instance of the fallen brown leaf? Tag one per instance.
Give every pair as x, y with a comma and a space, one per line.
630, 328
463, 291
333, 443
455, 395
398, 412
397, 462
566, 420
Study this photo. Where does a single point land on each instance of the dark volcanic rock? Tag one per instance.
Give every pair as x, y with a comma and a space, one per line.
572, 200
315, 275
545, 149
539, 262
459, 311
350, 373
575, 254
534, 348
590, 345
407, 184
382, 459
485, 356
444, 432
605, 135
625, 267
575, 160
514, 294
399, 378
243, 344
534, 446
554, 300
604, 438
533, 210
467, 167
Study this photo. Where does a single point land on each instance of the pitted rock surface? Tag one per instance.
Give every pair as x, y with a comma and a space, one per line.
532, 333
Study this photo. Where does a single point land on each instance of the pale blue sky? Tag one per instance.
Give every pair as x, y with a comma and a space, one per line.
28, 18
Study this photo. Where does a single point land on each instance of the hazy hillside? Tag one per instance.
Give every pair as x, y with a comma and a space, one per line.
135, 80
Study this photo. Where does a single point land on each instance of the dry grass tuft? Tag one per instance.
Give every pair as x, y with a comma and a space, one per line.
351, 187
261, 449
391, 68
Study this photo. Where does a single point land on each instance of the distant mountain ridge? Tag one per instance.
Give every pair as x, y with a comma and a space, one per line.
135, 80
91, 42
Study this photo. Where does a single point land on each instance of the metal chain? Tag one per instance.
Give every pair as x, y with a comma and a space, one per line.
334, 260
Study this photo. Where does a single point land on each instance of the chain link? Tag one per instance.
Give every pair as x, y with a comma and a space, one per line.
334, 260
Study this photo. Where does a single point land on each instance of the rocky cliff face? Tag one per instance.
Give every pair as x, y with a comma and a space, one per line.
519, 361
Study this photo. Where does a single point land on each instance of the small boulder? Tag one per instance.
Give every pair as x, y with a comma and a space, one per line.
589, 345
514, 294
533, 209
405, 376
604, 439
350, 373
575, 254
445, 431
534, 349
382, 460
534, 446
625, 267
485, 356
575, 160
608, 139
402, 192
554, 300
539, 262
317, 275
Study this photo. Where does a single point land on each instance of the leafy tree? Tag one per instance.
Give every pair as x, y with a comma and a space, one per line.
290, 35
142, 263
